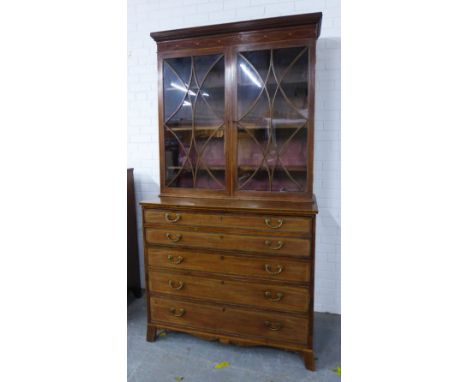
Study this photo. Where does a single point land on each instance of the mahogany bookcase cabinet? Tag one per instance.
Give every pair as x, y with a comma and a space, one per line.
229, 243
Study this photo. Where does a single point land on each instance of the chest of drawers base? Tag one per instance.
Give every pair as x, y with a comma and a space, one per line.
241, 275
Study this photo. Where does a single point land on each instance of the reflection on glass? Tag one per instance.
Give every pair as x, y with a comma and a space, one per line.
250, 75
272, 97
194, 122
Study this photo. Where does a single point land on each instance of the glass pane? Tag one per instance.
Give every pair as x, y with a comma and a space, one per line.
194, 122
212, 86
249, 86
182, 118
293, 76
288, 181
282, 59
272, 120
259, 62
178, 161
174, 90
182, 66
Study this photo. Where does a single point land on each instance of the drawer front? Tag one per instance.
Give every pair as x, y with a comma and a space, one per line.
261, 244
260, 222
273, 326
235, 292
196, 260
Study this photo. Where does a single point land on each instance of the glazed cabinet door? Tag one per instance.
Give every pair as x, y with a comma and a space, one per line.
193, 108
272, 120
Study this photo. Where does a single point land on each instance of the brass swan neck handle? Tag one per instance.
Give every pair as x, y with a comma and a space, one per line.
279, 269
279, 223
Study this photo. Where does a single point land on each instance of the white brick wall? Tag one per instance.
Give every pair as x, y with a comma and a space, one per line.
145, 16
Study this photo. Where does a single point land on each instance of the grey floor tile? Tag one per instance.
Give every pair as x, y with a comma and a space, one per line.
134, 359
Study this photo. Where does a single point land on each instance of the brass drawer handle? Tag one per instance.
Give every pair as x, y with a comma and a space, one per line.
279, 269
174, 237
275, 326
179, 287
279, 223
177, 260
268, 296
178, 312
168, 218
278, 245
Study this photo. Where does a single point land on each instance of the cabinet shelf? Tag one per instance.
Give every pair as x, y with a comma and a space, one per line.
258, 127
197, 128
249, 126
211, 168
218, 85
278, 168
245, 168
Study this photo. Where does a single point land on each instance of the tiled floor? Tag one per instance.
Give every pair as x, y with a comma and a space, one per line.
178, 355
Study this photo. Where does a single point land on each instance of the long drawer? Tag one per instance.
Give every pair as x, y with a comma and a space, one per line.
269, 223
274, 326
236, 292
198, 260
261, 244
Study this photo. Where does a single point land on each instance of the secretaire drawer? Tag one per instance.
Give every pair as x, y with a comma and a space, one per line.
197, 260
261, 244
278, 297
269, 223
274, 326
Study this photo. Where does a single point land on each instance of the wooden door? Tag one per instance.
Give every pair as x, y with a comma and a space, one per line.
273, 120
193, 123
